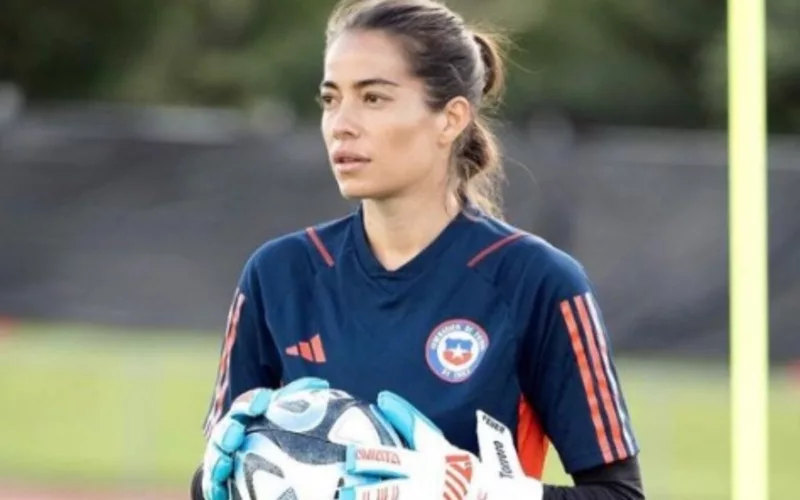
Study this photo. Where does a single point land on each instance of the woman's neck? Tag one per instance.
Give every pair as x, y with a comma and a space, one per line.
399, 229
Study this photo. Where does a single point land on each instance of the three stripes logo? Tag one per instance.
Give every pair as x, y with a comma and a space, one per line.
311, 351
587, 337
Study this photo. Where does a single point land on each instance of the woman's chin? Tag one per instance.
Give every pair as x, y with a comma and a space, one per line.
353, 189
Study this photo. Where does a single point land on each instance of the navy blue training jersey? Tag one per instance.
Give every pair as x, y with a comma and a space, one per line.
486, 317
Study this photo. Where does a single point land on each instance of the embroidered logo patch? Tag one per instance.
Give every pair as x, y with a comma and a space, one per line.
455, 348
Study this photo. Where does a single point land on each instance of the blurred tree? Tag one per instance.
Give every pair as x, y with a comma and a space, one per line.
621, 61
71, 49
783, 67
626, 61
783, 41
234, 52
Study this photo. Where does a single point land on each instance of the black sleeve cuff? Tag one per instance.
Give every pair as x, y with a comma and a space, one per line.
618, 481
196, 489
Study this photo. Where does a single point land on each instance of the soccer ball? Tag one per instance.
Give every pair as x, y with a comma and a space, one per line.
296, 451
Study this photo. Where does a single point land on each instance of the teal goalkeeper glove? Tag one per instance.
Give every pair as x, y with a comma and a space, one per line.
434, 469
228, 434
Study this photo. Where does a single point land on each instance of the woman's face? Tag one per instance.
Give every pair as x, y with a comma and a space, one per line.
382, 138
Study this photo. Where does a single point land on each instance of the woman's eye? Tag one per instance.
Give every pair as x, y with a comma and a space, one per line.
373, 98
325, 100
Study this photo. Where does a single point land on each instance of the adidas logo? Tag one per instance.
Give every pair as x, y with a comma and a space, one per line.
310, 351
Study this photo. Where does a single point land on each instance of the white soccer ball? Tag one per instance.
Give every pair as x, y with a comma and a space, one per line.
297, 450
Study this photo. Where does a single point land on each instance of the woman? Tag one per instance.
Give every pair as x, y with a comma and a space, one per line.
423, 292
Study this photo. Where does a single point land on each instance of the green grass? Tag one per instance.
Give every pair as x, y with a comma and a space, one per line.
93, 406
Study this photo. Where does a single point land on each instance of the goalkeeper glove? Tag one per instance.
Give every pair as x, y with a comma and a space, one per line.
435, 469
228, 434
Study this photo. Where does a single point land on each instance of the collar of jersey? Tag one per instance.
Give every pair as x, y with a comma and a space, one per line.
422, 262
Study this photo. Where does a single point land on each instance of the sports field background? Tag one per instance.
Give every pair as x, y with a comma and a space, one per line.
147, 147
89, 409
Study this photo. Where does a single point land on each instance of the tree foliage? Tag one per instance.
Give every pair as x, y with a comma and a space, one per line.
71, 49
621, 61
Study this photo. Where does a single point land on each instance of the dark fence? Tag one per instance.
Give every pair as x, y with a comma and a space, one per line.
145, 218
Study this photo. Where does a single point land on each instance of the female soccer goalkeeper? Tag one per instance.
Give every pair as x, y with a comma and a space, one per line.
423, 298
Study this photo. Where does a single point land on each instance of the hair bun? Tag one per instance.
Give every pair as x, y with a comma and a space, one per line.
492, 64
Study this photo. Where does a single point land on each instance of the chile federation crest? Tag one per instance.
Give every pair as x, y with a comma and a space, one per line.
455, 348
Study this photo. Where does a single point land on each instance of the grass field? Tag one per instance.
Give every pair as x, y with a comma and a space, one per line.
100, 408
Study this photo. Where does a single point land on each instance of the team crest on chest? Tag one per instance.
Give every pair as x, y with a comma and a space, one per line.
455, 348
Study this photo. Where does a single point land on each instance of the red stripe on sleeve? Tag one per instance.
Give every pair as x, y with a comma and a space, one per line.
224, 361
600, 374
586, 378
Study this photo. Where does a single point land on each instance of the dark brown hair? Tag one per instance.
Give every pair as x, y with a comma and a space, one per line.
453, 60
